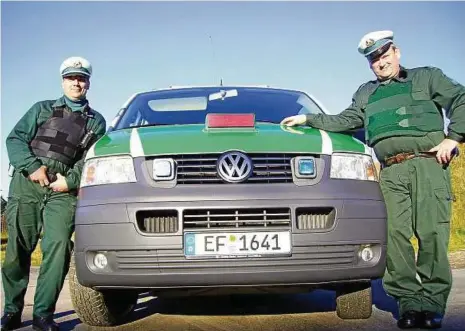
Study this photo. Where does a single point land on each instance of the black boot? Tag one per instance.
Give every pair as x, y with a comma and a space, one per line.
410, 319
44, 324
11, 321
431, 320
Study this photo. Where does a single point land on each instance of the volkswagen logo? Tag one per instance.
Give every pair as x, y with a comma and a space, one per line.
234, 167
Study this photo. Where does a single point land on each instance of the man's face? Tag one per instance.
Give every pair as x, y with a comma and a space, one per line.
75, 87
387, 66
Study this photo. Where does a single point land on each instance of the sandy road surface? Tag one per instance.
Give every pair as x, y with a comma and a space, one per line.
313, 311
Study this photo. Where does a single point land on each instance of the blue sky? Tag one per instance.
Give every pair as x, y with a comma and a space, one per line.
135, 46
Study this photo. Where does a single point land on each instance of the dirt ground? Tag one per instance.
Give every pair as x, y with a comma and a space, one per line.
457, 259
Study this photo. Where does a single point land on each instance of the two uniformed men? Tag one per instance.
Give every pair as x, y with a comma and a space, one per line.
401, 112
46, 148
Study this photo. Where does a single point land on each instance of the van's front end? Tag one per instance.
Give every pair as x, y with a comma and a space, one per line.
203, 188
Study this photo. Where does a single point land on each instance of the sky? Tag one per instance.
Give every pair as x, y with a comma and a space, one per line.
138, 46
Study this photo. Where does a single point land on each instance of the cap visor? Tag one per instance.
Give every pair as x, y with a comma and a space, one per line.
74, 73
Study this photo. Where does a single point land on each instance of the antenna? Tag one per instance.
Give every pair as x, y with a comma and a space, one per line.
214, 61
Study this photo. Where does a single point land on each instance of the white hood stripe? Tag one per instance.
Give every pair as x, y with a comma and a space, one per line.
135, 144
368, 150
326, 143
90, 152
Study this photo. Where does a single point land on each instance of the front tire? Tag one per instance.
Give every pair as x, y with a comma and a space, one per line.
354, 302
100, 308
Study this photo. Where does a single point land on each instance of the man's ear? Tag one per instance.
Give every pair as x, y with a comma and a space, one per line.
397, 53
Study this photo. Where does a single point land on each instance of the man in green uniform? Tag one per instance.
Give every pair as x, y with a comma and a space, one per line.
401, 112
46, 149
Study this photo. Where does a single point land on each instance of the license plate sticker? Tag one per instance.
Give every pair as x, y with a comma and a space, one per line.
237, 244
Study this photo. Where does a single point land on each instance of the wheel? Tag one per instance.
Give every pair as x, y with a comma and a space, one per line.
100, 308
354, 302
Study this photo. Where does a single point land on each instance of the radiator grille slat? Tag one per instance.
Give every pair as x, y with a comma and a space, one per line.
237, 218
201, 169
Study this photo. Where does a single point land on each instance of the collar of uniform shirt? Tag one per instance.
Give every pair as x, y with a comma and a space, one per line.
402, 77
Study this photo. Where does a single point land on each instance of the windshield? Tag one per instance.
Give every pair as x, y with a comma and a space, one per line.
191, 105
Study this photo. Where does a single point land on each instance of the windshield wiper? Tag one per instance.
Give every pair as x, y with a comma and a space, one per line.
144, 125
266, 121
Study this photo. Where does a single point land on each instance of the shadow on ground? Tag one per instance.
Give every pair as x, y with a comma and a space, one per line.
266, 304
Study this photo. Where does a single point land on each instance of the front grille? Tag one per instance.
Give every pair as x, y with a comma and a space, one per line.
236, 218
201, 169
174, 261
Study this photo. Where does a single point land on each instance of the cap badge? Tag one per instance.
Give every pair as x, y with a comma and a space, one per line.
369, 42
77, 64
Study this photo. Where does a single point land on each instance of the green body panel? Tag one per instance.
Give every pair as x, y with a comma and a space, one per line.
196, 139
345, 143
114, 143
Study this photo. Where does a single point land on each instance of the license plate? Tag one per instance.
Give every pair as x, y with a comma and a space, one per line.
236, 244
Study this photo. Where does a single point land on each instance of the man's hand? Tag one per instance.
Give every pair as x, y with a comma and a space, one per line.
60, 184
294, 120
40, 176
444, 150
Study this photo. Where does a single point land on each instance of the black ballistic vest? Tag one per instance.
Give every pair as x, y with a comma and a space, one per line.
60, 136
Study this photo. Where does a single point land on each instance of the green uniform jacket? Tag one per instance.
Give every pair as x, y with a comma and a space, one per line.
443, 91
18, 142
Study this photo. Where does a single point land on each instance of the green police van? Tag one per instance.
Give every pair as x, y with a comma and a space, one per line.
200, 188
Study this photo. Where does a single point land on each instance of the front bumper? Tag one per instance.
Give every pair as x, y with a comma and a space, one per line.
138, 260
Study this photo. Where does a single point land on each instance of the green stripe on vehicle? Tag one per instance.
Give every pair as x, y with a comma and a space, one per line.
266, 138
114, 143
195, 139
345, 143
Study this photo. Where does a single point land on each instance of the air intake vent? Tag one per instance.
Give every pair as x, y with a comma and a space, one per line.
315, 218
158, 221
237, 218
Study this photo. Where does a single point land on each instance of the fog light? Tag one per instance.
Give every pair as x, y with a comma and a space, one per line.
100, 261
367, 254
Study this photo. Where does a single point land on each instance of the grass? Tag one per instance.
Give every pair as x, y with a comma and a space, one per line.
36, 258
457, 238
457, 241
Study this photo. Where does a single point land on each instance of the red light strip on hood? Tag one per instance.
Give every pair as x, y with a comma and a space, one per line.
230, 120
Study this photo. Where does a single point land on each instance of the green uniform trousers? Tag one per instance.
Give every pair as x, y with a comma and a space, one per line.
418, 199
30, 210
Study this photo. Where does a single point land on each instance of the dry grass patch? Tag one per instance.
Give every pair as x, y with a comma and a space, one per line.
458, 207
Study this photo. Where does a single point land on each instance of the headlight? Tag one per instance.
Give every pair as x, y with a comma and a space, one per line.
108, 170
353, 166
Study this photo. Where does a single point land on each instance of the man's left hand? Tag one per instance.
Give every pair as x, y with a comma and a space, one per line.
60, 184
444, 150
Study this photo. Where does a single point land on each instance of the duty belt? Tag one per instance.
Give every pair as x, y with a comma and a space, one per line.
399, 158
